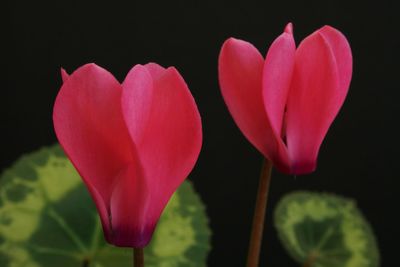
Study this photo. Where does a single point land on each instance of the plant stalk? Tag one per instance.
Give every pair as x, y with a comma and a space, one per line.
138, 257
259, 214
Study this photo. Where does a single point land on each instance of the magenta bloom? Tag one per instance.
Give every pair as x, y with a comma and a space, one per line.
133, 143
285, 103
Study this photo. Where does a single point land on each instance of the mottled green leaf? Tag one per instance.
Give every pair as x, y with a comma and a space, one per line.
325, 230
47, 219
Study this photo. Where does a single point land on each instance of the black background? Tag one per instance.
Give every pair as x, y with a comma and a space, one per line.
358, 157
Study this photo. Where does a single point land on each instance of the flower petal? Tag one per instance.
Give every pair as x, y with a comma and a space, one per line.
89, 125
64, 75
132, 212
315, 97
342, 53
155, 70
137, 98
277, 77
166, 129
171, 137
240, 76
103, 210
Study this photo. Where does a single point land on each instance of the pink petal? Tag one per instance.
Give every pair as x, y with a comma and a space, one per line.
166, 128
155, 70
240, 76
316, 95
64, 75
89, 125
277, 76
103, 210
137, 101
342, 53
133, 221
172, 138
289, 28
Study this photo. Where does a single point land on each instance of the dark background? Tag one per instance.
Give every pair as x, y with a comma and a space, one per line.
358, 157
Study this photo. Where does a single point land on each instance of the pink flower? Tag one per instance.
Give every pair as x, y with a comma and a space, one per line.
285, 103
133, 143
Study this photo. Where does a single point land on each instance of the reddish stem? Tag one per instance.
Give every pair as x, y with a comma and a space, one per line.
259, 215
138, 257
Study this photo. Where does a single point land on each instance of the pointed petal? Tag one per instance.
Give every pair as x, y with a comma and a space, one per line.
64, 75
172, 137
277, 76
155, 70
137, 100
289, 28
89, 125
316, 95
166, 128
240, 76
342, 53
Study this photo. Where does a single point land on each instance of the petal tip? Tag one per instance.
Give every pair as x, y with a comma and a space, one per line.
327, 28
93, 67
64, 74
232, 41
289, 28
155, 70
152, 64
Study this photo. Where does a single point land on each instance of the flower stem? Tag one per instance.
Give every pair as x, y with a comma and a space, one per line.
259, 215
138, 257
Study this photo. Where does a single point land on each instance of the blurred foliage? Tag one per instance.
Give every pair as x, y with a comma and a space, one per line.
48, 219
325, 230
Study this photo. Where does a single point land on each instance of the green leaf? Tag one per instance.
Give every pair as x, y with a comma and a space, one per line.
47, 219
325, 229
